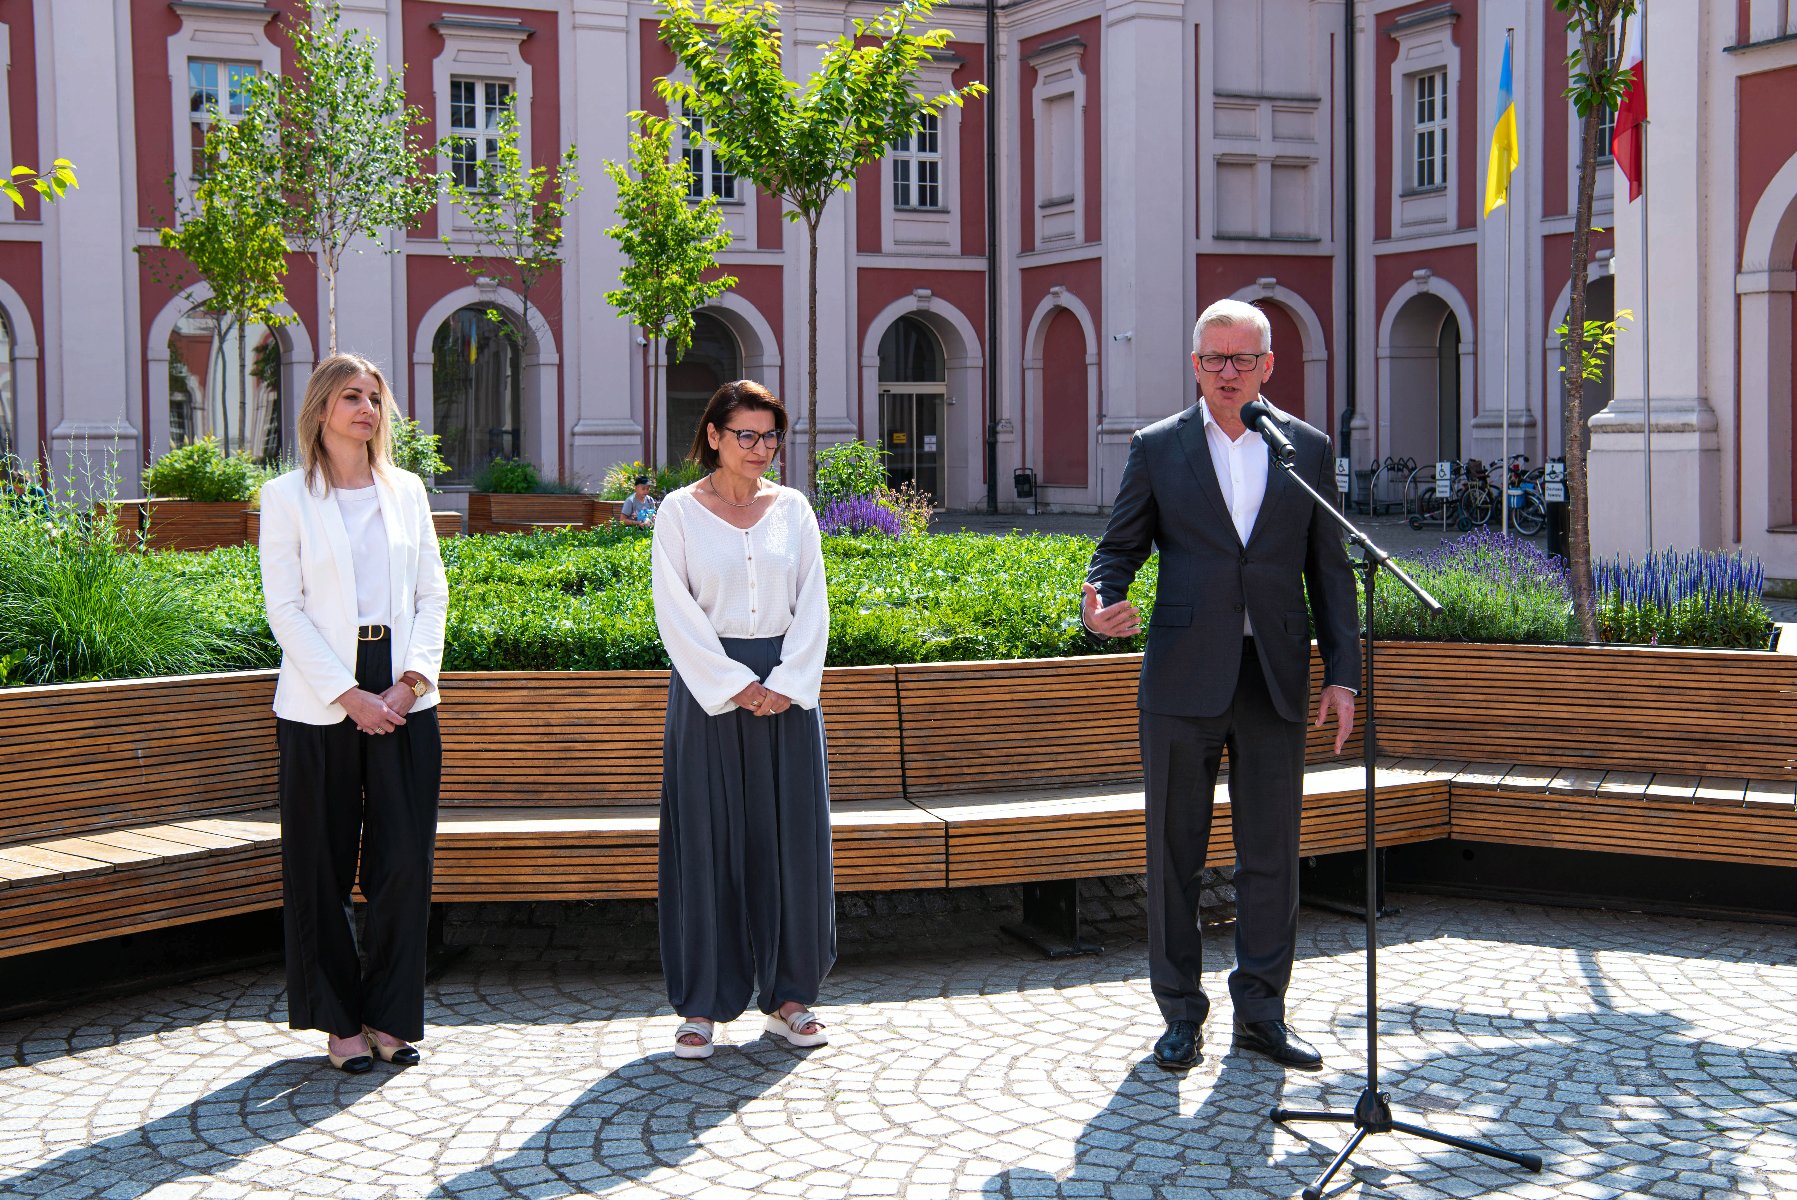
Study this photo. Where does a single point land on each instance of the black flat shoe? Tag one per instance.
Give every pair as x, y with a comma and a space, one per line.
1275, 1041
1178, 1048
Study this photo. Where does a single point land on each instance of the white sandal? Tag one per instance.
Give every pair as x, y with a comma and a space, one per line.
704, 1029
792, 1028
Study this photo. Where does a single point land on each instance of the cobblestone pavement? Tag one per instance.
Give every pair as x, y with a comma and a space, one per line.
1641, 1056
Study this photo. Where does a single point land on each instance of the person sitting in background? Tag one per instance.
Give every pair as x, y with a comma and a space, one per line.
639, 508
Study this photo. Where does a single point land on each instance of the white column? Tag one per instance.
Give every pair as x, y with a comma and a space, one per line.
602, 372
1145, 338
1687, 459
89, 340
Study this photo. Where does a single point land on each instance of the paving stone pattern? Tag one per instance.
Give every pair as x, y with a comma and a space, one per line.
1641, 1056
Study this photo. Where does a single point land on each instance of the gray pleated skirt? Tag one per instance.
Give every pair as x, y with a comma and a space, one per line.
748, 902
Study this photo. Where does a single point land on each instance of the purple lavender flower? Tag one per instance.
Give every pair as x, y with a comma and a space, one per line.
858, 514
1504, 560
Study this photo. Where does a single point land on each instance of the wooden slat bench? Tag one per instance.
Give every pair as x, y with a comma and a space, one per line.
126, 808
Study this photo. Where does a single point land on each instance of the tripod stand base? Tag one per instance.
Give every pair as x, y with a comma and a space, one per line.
1372, 1114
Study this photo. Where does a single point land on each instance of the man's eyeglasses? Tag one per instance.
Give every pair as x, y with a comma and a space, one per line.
746, 438
1243, 362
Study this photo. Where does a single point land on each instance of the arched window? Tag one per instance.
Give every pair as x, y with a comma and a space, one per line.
477, 399
9, 402
709, 363
228, 388
913, 389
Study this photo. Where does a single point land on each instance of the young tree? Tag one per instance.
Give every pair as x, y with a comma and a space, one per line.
229, 233
515, 217
802, 142
340, 141
670, 246
51, 186
1595, 82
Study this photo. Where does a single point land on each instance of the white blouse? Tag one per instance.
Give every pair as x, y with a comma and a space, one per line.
361, 511
712, 580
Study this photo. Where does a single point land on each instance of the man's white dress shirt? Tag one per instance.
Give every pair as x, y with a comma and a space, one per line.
1241, 467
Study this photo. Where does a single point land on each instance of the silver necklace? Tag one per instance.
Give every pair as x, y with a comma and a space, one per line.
733, 504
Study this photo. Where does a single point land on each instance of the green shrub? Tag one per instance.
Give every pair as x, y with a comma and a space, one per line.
198, 471
1696, 598
1492, 587
74, 604
417, 451
620, 480
849, 469
511, 476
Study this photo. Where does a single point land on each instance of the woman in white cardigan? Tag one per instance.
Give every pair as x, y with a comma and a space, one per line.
357, 599
748, 907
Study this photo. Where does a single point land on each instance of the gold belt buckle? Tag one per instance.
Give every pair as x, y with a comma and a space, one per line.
363, 636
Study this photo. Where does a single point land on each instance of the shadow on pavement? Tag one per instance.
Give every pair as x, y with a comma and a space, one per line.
202, 1139
646, 1116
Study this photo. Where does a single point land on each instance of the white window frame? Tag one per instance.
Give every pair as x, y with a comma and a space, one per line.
911, 228
198, 122
6, 210
913, 158
709, 171
1425, 46
1431, 155
479, 50
219, 31
483, 133
1603, 195
1060, 220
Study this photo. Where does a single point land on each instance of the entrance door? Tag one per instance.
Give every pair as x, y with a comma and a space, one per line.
911, 428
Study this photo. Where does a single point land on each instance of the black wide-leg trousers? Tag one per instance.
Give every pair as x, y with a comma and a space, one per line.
1180, 758
347, 794
747, 895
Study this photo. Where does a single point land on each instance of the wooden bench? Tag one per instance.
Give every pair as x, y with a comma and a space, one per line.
135, 805
131, 807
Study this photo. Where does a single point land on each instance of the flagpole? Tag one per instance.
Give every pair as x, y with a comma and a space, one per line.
1646, 357
1504, 466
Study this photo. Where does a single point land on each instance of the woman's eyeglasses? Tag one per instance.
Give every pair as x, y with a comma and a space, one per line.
746, 438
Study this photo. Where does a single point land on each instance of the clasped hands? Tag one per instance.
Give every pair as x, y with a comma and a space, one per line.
762, 701
378, 713
1123, 619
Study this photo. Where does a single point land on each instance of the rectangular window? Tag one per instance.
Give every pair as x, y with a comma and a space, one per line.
1429, 131
710, 176
474, 108
917, 166
1606, 130
215, 90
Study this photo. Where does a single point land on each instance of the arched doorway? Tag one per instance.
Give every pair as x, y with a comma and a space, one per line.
1287, 386
1600, 305
225, 387
1066, 423
1422, 409
913, 391
9, 401
477, 399
712, 360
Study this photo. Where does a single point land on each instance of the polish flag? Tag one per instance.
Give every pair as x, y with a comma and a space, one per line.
1625, 142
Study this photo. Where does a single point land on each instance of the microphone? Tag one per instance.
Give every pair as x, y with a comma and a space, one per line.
1258, 416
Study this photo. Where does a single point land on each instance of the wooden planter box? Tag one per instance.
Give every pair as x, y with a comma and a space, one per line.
606, 512
501, 512
448, 523
182, 524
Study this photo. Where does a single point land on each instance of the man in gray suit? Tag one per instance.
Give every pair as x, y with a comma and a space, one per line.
1227, 666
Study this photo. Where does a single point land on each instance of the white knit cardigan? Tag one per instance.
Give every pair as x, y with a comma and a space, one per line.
712, 580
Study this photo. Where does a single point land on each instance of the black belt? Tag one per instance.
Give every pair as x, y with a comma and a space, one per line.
372, 633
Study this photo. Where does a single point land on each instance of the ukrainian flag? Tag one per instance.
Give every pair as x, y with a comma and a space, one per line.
1505, 150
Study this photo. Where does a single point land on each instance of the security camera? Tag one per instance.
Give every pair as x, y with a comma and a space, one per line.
1125, 336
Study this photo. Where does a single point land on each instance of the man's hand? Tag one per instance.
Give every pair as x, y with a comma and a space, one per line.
1119, 620
1341, 701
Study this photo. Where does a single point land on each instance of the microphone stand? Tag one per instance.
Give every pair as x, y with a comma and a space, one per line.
1372, 1112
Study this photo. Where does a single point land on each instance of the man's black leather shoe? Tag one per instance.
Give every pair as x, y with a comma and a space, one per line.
1178, 1048
1278, 1043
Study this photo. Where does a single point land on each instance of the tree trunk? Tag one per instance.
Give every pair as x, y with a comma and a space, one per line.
243, 386
657, 369
330, 277
811, 223
1596, 44
224, 401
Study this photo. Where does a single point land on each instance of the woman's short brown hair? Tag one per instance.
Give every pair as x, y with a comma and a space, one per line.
732, 398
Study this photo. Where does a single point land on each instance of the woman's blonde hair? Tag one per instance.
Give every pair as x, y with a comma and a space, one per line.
315, 409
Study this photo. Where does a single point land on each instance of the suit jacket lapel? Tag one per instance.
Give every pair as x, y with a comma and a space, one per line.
394, 520
337, 534
1280, 490
1197, 452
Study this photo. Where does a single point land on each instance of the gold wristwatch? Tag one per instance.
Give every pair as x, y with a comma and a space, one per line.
420, 688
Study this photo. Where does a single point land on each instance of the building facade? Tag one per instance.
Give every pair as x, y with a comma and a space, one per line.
1152, 156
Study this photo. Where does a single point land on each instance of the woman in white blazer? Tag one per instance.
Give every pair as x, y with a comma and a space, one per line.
356, 598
